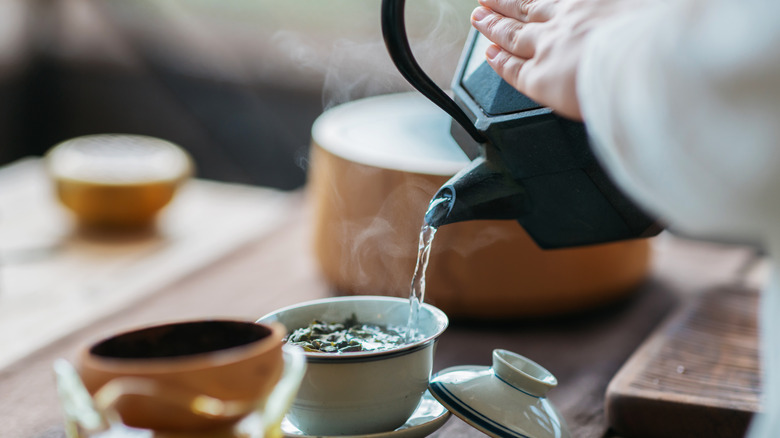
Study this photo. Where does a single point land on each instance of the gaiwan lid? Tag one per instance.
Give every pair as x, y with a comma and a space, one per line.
507, 399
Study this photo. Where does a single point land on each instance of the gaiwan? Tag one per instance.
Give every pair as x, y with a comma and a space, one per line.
360, 392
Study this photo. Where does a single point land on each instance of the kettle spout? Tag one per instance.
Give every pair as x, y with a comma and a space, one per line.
480, 191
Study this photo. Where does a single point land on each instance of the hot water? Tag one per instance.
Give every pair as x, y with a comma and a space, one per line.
438, 207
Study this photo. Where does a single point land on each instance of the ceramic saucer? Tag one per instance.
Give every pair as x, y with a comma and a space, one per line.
429, 416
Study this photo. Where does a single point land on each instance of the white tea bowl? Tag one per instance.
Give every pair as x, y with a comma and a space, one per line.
362, 392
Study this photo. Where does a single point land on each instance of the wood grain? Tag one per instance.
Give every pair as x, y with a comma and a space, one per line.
55, 279
278, 268
698, 375
244, 284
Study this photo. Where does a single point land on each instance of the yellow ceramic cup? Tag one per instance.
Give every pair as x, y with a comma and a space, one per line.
117, 181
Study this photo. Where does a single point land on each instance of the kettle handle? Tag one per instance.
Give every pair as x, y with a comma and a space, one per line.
394, 33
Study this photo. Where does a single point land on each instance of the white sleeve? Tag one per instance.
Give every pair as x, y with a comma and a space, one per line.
682, 101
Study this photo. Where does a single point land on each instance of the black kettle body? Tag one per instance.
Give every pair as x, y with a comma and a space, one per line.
528, 163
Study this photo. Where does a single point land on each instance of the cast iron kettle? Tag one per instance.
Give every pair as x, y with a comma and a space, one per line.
528, 163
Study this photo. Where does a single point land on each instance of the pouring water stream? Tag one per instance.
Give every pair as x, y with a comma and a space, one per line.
438, 207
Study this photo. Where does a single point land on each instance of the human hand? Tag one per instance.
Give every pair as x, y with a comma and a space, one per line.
538, 44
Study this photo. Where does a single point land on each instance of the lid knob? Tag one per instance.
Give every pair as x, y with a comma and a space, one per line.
522, 373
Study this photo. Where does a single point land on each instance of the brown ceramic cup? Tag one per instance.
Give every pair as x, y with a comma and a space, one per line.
185, 376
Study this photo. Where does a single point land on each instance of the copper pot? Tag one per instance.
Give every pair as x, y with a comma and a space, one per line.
376, 163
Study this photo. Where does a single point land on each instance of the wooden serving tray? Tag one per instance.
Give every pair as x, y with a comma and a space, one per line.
698, 375
54, 281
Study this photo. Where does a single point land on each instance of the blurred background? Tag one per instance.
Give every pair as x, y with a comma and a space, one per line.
237, 83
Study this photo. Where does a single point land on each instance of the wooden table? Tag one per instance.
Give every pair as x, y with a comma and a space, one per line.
271, 266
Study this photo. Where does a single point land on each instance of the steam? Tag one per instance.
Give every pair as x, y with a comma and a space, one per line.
358, 69
382, 246
379, 246
484, 237
356, 64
